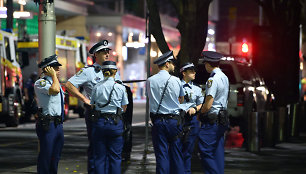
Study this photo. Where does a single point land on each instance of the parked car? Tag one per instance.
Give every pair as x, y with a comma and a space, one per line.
248, 91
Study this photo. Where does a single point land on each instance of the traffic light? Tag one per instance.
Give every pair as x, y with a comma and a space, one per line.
245, 48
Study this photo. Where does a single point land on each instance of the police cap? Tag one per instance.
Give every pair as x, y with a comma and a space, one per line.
49, 61
166, 57
103, 45
211, 56
187, 66
109, 65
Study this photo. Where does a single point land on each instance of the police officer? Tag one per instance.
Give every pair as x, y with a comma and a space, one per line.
30, 102
165, 93
108, 100
87, 78
49, 126
213, 120
193, 100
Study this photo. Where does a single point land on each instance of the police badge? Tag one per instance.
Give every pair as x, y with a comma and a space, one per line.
209, 83
42, 83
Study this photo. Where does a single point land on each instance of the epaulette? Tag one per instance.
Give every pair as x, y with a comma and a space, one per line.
212, 74
97, 68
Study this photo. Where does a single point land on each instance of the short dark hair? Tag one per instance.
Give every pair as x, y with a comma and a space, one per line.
214, 64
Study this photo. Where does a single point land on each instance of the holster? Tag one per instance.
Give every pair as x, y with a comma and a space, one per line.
208, 118
42, 120
181, 119
223, 118
189, 117
119, 111
57, 120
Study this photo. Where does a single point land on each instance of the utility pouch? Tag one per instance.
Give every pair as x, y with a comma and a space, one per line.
181, 118
57, 120
119, 111
94, 115
44, 122
223, 118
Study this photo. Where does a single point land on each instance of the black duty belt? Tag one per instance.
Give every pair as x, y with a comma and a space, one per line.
108, 116
163, 116
221, 119
44, 121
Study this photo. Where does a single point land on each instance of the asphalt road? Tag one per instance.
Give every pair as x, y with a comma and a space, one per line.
18, 152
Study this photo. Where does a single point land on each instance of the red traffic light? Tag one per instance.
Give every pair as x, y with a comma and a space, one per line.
245, 48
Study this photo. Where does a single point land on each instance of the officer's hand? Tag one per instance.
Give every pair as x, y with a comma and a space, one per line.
191, 111
49, 71
87, 102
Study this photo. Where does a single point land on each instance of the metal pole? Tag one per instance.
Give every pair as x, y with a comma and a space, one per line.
148, 75
46, 29
260, 23
9, 18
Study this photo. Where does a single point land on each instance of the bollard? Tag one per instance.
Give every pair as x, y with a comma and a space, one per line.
253, 137
280, 123
268, 126
294, 117
302, 117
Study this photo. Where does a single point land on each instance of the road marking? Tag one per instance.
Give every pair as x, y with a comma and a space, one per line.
140, 124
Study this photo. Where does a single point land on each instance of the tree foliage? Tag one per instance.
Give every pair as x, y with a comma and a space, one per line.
282, 70
193, 24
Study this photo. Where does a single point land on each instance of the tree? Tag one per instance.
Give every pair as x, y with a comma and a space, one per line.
193, 24
282, 68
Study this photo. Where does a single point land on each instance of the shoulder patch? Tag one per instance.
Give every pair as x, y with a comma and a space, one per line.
42, 83
80, 72
209, 83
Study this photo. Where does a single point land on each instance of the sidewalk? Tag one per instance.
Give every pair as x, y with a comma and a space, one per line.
287, 157
284, 158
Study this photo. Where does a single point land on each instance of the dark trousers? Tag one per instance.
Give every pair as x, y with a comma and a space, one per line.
90, 153
167, 146
188, 144
211, 146
107, 143
50, 144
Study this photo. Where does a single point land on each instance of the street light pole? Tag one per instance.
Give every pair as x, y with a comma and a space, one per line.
148, 35
46, 28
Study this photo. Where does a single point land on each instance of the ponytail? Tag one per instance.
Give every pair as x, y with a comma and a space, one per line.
109, 72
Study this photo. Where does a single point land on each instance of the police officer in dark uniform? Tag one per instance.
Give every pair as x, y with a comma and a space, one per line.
193, 100
87, 78
214, 118
30, 102
49, 128
109, 100
165, 94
